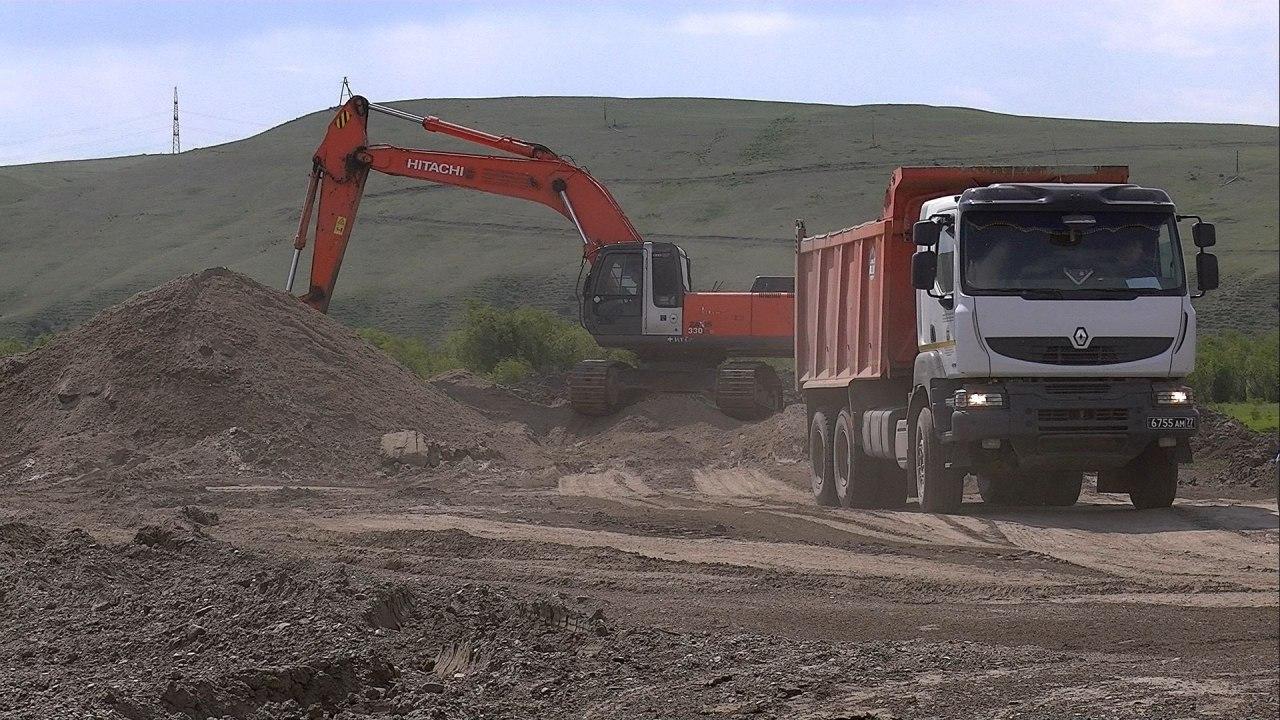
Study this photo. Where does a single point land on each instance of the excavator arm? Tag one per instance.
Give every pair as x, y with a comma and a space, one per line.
342, 163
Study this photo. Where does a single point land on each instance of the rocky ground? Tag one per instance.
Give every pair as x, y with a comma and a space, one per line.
196, 521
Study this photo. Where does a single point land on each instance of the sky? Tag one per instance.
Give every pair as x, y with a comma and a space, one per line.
95, 78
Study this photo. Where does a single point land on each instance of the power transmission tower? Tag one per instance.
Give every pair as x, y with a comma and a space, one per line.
345, 93
177, 142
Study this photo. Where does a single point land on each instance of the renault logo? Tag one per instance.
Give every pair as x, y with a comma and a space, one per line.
1080, 339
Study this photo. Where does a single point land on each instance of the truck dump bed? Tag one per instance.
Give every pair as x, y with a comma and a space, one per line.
855, 307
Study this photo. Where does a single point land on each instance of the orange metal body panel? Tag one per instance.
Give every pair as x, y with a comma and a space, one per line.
738, 314
854, 304
342, 162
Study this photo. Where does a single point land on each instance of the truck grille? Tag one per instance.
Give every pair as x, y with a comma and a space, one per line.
1077, 387
1059, 351
1083, 420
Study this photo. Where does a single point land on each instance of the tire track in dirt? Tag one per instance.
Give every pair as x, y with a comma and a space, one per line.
782, 556
616, 485
745, 483
1161, 548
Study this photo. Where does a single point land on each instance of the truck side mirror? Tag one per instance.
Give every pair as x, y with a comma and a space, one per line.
925, 233
924, 268
1206, 270
1204, 234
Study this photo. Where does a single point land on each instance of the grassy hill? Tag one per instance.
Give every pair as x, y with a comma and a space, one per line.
724, 178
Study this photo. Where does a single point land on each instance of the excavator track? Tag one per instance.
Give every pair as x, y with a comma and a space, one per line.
594, 388
748, 390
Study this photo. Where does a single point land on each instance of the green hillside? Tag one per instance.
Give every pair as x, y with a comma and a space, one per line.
724, 178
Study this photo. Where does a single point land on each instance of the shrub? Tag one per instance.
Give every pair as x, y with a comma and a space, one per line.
1232, 367
510, 371
413, 353
11, 346
543, 341
505, 345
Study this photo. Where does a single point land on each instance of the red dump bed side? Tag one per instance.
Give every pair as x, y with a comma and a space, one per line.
855, 308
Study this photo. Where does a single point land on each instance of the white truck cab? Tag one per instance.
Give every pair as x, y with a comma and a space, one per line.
1055, 327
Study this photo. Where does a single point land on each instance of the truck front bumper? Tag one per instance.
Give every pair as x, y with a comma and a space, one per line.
1083, 423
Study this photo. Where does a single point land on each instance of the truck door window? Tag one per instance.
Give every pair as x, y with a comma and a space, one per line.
946, 260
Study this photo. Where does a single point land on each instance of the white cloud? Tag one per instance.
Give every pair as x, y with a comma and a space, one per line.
743, 23
111, 96
1182, 28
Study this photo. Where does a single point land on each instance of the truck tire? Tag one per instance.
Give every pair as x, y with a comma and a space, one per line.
861, 480
1059, 489
855, 486
938, 488
1154, 475
821, 470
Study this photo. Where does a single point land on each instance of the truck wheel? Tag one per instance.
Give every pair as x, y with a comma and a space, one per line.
1060, 489
1154, 475
939, 489
822, 471
861, 480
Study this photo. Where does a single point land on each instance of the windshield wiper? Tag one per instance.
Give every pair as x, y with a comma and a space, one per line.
1039, 293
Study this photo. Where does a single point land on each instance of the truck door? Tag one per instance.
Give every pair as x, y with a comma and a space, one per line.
664, 268
613, 303
936, 324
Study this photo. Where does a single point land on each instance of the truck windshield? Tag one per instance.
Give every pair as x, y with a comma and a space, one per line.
1081, 254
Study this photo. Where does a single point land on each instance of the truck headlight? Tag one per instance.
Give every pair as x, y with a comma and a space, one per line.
978, 397
1172, 395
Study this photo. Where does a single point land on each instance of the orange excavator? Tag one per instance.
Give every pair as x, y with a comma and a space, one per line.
636, 294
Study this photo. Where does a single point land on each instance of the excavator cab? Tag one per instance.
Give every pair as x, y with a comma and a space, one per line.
636, 289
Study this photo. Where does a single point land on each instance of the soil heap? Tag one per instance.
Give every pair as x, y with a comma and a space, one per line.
215, 377
1233, 455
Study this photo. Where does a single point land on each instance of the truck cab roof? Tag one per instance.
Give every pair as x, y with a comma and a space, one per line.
1067, 197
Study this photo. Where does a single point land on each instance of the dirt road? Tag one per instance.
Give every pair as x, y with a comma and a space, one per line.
729, 594
664, 563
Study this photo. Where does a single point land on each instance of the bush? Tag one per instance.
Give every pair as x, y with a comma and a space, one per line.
510, 371
505, 345
11, 346
1232, 367
413, 353
543, 341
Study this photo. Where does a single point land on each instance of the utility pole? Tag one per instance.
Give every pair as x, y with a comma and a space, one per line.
177, 142
345, 93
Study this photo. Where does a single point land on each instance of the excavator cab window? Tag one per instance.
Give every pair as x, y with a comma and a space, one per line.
616, 286
668, 282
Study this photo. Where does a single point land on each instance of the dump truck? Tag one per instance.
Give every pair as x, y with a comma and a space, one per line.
1023, 325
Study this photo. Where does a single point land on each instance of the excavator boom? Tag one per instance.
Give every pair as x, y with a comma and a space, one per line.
342, 163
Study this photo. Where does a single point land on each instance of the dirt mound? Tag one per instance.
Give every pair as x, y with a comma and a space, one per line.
660, 430
215, 376
1229, 454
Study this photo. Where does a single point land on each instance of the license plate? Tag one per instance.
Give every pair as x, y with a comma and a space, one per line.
1171, 423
